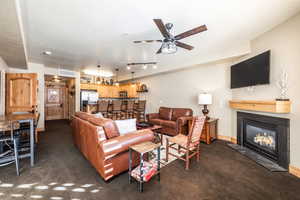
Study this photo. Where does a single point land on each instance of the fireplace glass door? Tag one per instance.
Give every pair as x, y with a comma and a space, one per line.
261, 137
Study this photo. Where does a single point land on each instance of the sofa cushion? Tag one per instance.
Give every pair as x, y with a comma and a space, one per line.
98, 115
167, 123
109, 126
181, 112
165, 113
126, 126
83, 115
155, 121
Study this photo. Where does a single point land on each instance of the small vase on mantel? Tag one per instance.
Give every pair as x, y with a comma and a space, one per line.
282, 85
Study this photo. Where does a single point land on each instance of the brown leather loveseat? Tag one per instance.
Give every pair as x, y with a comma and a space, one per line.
101, 144
173, 120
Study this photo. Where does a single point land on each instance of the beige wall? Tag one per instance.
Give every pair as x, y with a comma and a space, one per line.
284, 43
3, 69
180, 89
42, 70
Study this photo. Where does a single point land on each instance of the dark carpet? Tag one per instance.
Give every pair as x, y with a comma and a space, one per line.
61, 172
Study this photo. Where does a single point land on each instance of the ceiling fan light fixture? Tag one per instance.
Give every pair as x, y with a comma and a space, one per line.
168, 47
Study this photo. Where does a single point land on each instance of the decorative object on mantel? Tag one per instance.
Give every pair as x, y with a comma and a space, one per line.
142, 88
262, 106
205, 99
282, 85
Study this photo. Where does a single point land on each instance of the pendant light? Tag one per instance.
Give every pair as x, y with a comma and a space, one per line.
98, 79
117, 81
132, 83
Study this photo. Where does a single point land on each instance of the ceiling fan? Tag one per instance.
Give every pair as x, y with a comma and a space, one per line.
170, 42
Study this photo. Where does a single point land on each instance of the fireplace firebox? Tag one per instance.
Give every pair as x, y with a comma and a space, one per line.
267, 136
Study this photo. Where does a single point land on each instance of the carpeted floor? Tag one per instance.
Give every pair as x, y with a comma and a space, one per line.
61, 172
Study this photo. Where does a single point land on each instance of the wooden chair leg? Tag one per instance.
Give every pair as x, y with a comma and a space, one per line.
167, 150
198, 152
178, 149
36, 136
187, 160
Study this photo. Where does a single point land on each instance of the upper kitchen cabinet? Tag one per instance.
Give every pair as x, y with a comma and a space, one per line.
21, 92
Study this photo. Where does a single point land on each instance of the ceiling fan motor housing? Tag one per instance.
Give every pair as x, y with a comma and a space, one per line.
169, 26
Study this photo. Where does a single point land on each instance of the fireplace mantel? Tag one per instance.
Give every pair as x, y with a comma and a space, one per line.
261, 106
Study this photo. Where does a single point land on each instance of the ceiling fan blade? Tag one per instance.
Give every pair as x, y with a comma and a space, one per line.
159, 23
159, 51
183, 45
191, 32
146, 41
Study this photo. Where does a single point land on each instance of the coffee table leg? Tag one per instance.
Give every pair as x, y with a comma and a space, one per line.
141, 173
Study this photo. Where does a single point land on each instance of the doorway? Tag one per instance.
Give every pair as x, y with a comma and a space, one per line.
59, 97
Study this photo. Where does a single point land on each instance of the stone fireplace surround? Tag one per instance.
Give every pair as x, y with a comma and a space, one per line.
271, 139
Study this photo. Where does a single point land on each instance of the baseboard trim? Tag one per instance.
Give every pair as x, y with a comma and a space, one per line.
294, 170
227, 138
40, 129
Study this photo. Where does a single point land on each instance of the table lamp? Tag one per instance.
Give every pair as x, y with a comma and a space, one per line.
205, 99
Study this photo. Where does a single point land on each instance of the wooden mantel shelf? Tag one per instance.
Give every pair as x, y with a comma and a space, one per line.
262, 106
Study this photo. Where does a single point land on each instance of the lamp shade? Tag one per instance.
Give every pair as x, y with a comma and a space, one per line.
204, 99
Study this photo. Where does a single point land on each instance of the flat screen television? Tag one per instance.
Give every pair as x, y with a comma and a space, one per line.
254, 71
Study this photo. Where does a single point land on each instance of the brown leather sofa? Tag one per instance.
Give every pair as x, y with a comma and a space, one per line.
101, 144
173, 120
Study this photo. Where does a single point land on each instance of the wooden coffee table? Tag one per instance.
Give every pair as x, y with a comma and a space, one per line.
156, 130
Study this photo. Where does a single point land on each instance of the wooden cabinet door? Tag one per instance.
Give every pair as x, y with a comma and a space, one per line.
132, 91
21, 92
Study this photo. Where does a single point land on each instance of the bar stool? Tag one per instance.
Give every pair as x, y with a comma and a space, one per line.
8, 154
103, 107
139, 112
129, 110
116, 112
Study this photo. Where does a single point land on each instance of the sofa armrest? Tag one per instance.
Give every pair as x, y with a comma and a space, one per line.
182, 124
152, 116
122, 143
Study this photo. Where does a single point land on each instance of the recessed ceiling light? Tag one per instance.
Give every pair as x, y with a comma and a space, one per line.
128, 67
154, 66
145, 66
47, 53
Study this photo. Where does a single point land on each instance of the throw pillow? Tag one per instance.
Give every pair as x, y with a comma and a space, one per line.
98, 115
126, 126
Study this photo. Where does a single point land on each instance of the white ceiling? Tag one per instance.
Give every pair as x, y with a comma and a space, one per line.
11, 42
82, 33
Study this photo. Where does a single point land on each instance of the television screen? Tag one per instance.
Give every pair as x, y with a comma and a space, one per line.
254, 71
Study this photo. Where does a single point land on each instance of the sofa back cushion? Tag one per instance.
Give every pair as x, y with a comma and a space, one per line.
181, 112
126, 126
165, 113
83, 115
109, 126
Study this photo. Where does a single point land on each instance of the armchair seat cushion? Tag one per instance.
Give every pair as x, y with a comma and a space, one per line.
155, 121
167, 123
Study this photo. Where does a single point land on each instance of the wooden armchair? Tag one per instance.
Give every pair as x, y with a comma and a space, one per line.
190, 143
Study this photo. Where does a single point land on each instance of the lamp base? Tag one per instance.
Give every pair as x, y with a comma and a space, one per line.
205, 112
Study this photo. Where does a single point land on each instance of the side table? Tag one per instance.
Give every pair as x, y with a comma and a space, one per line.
210, 130
142, 149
